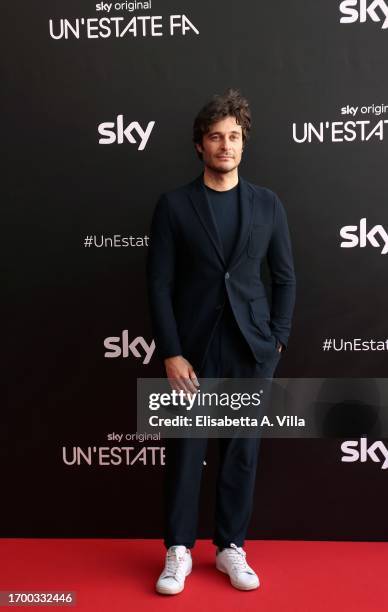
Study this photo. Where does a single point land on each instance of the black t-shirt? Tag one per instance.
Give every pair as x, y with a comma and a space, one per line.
226, 208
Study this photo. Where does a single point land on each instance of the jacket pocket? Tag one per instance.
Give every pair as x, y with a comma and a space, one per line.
258, 240
260, 315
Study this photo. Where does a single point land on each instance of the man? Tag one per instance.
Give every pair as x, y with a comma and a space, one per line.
211, 318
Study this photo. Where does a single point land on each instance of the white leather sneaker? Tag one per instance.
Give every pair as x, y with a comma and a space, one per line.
232, 561
178, 565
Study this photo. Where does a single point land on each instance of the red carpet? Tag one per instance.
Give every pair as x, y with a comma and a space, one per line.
118, 575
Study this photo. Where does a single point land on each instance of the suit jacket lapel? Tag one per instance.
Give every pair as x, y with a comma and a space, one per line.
246, 209
204, 210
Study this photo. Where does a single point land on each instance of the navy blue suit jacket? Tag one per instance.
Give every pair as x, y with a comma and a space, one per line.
189, 280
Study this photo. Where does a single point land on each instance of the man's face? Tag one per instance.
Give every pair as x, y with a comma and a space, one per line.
222, 145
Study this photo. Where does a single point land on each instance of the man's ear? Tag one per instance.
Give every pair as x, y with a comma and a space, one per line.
198, 147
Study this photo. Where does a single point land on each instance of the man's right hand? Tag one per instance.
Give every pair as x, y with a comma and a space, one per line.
181, 375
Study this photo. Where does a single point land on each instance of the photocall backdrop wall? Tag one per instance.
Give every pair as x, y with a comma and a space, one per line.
100, 99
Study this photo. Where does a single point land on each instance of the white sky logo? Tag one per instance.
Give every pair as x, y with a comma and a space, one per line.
351, 452
367, 9
121, 347
115, 132
359, 236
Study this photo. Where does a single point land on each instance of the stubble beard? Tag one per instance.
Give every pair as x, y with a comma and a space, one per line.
220, 169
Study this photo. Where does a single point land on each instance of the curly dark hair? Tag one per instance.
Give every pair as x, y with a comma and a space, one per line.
231, 103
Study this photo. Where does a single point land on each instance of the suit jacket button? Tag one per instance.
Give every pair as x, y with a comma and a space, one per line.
227, 275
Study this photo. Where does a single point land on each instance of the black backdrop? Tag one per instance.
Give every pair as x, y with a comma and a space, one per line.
299, 66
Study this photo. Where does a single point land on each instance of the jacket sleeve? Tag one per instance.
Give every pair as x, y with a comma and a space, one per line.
280, 261
161, 264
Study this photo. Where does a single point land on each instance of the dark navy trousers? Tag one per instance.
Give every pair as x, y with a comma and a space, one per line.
228, 356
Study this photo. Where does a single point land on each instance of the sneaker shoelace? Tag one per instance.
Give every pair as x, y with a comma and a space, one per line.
174, 566
237, 556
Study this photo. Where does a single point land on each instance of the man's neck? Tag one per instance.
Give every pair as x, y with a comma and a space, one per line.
220, 181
